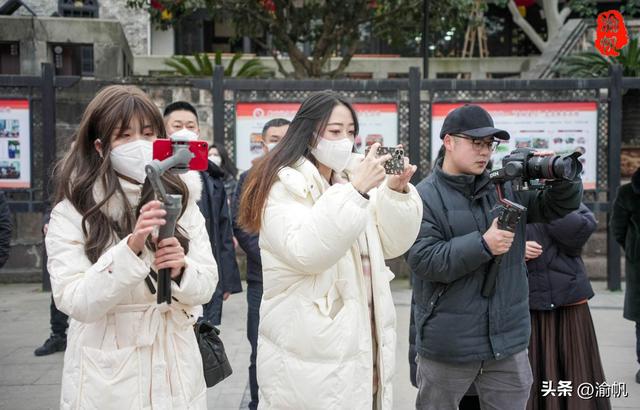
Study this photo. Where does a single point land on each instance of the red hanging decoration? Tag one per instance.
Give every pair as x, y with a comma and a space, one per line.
157, 5
269, 5
525, 3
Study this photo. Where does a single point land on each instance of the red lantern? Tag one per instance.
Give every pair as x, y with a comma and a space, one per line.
269, 5
525, 3
157, 5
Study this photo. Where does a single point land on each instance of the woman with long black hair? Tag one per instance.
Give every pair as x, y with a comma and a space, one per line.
327, 219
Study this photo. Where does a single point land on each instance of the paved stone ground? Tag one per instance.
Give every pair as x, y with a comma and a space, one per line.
29, 382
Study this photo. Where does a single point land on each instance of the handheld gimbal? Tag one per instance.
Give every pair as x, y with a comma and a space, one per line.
510, 214
178, 164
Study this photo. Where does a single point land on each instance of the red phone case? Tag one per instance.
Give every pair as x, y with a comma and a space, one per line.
162, 149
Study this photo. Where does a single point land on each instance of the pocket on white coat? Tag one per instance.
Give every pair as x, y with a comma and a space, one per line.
110, 379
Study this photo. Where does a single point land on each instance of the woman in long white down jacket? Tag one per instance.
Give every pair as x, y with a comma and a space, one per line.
124, 351
327, 220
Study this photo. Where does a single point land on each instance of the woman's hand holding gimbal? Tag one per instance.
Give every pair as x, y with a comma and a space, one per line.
151, 215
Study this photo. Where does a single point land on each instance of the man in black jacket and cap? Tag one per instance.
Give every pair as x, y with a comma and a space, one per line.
462, 337
214, 206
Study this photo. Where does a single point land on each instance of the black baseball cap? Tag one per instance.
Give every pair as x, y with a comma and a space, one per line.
472, 121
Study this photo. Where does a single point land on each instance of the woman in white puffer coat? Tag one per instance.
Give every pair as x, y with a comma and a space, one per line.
327, 220
123, 349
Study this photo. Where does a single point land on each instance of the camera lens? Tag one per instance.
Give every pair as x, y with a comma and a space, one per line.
555, 167
541, 167
565, 168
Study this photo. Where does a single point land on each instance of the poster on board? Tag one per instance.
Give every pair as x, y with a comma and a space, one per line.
378, 123
15, 144
563, 127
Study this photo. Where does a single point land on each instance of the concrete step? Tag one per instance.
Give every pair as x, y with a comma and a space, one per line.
596, 245
20, 275
596, 267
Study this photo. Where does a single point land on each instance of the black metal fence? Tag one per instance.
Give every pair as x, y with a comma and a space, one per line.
41, 91
415, 97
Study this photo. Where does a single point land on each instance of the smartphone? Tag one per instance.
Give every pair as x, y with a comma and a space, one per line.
163, 149
394, 166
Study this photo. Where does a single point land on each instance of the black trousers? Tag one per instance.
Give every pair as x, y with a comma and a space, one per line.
59, 321
254, 297
638, 341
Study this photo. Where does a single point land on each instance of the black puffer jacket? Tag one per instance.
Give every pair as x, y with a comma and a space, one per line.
247, 241
558, 276
454, 322
215, 209
625, 226
5, 229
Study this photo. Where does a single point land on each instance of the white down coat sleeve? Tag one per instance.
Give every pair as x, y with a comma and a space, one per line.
83, 290
311, 239
200, 276
398, 218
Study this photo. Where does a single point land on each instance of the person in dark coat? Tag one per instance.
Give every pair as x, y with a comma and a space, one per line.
272, 133
563, 340
462, 337
215, 209
59, 321
6, 226
470, 400
625, 226
219, 156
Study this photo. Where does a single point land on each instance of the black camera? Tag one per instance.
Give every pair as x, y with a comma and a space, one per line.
525, 169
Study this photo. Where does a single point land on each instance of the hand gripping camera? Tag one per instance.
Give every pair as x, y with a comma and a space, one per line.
525, 170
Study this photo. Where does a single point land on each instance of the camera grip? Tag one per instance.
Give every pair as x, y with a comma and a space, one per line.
507, 220
173, 209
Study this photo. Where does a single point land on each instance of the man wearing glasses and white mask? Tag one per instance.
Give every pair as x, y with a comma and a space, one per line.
464, 338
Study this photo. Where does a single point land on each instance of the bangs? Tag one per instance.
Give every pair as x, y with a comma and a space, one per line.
137, 107
325, 119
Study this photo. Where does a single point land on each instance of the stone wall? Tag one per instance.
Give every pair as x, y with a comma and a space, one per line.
25, 262
134, 23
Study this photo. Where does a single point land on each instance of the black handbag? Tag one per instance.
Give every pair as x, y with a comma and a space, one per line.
215, 364
214, 359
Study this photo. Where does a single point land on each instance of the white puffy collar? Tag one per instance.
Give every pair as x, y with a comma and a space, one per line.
303, 178
132, 191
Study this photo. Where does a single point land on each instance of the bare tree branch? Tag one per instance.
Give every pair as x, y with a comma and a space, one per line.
274, 54
564, 14
346, 59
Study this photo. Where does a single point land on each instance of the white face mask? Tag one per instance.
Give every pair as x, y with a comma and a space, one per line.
271, 146
184, 135
130, 159
216, 159
334, 154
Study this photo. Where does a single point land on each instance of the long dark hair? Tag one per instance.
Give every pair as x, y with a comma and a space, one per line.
309, 122
82, 167
226, 164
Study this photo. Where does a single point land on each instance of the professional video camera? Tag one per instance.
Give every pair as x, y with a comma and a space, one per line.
525, 169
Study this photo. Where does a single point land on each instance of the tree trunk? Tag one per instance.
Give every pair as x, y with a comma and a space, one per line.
526, 27
555, 20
